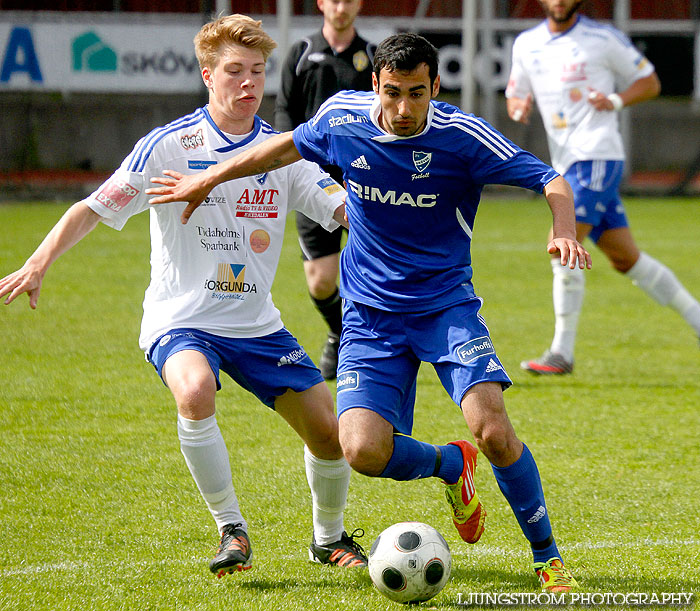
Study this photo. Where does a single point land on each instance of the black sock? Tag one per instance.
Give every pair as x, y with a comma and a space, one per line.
330, 309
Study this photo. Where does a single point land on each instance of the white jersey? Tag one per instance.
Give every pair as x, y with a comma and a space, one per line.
560, 69
214, 273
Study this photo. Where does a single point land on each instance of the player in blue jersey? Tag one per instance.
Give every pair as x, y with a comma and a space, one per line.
415, 169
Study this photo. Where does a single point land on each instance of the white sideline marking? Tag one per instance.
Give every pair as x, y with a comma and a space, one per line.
75, 567
477, 550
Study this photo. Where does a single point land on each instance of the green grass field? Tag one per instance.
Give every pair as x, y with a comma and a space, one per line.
98, 510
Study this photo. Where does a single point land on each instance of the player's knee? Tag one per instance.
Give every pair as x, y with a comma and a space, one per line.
622, 264
322, 287
365, 458
323, 439
195, 396
495, 441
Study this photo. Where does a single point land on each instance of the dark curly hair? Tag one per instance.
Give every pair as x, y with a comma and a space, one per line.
406, 51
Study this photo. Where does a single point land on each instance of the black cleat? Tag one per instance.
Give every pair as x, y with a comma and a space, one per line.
328, 364
234, 553
346, 553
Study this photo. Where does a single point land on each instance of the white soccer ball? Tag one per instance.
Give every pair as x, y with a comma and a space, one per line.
410, 562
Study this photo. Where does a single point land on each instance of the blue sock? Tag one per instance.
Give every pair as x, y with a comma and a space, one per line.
520, 484
413, 459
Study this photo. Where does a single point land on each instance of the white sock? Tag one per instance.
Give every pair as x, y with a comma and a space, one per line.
329, 481
206, 456
567, 294
661, 284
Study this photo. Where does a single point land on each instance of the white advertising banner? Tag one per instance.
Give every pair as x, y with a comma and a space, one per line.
103, 57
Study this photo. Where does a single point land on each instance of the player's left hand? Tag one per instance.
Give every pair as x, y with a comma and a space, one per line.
178, 187
599, 101
570, 252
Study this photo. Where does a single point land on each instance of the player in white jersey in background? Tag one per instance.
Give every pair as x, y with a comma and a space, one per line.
415, 169
581, 74
208, 306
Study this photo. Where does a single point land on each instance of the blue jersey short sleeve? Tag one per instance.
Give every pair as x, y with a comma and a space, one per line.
412, 201
312, 144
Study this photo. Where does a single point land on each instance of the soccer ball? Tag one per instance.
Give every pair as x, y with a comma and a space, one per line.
410, 562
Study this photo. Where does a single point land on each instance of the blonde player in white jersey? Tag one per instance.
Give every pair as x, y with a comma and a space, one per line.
582, 74
208, 305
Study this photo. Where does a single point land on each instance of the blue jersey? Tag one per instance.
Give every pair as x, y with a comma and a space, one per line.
412, 200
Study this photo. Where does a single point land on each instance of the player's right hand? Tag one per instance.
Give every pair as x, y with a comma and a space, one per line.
520, 110
192, 189
24, 280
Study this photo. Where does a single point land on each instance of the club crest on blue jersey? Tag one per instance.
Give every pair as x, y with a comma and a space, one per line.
421, 160
348, 380
474, 349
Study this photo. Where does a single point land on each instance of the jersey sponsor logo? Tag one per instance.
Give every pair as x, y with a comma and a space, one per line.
258, 204
192, 141
293, 357
329, 185
360, 61
421, 160
348, 380
199, 164
475, 349
361, 163
575, 94
259, 241
375, 194
230, 282
641, 63
346, 120
559, 120
573, 72
116, 194
210, 200
316, 57
225, 239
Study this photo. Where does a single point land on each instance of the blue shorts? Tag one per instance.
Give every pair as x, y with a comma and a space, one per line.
380, 353
266, 366
596, 187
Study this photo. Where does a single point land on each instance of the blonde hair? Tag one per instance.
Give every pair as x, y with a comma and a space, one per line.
231, 29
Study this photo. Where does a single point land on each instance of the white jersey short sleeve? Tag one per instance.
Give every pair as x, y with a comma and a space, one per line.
560, 70
214, 273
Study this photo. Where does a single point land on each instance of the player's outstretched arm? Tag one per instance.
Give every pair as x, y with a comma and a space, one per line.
274, 153
73, 226
561, 202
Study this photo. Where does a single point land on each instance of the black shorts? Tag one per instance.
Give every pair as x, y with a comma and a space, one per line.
314, 240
